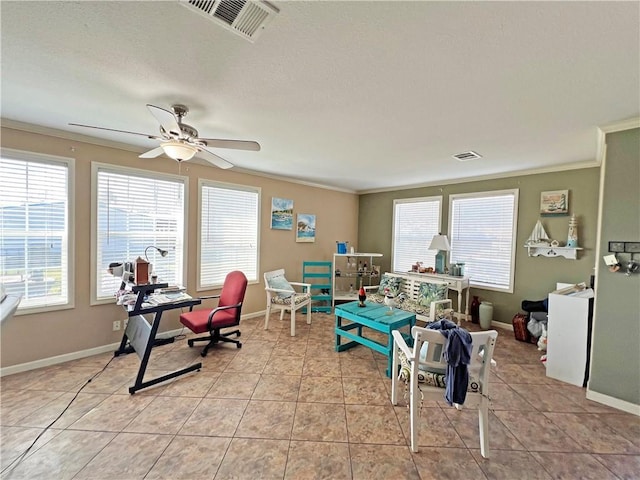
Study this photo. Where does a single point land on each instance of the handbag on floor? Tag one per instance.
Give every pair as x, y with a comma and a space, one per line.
520, 331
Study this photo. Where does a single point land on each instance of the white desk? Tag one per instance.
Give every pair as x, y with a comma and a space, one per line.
459, 284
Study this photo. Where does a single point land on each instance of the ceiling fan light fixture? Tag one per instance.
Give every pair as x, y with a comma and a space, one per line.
178, 150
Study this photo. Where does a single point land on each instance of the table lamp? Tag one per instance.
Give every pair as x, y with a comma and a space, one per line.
163, 253
441, 244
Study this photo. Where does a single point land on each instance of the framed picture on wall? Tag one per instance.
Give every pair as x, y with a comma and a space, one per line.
281, 214
554, 203
306, 228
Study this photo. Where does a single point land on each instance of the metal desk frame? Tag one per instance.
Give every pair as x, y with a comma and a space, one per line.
142, 291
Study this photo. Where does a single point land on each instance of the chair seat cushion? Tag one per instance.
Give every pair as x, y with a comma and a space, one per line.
432, 378
298, 298
408, 305
197, 320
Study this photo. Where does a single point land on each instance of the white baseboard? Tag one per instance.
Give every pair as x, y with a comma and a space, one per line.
67, 357
506, 326
614, 402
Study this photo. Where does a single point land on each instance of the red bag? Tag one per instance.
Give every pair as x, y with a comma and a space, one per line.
520, 331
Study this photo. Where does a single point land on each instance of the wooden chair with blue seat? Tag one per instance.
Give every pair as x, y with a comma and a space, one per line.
282, 295
424, 368
225, 315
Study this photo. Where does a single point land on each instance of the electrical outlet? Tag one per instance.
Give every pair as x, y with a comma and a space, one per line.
116, 325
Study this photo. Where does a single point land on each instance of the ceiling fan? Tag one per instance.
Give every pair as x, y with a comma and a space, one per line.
180, 141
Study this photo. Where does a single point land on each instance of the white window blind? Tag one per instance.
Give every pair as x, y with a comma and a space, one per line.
415, 222
136, 210
228, 232
34, 241
483, 232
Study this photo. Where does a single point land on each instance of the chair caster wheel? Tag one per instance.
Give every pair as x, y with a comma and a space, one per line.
190, 343
239, 333
238, 345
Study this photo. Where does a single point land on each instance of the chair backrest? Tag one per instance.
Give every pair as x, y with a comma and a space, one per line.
276, 279
268, 276
233, 290
431, 358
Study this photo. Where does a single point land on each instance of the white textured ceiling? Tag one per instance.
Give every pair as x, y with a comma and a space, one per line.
354, 95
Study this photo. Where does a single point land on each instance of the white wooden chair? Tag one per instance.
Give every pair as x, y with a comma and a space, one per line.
426, 375
282, 295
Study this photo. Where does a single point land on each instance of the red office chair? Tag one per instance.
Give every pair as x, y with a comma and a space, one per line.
225, 315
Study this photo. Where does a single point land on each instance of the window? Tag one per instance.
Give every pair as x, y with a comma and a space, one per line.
483, 234
135, 209
36, 237
229, 226
415, 222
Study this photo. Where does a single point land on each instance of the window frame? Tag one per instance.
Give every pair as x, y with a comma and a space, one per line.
202, 182
398, 201
514, 233
69, 163
96, 167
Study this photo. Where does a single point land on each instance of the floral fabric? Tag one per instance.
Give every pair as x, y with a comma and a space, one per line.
430, 292
392, 283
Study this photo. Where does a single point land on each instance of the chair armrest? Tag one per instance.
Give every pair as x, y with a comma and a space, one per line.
306, 287
435, 303
398, 339
277, 290
218, 309
434, 307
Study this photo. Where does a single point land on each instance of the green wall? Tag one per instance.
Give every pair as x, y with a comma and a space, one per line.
535, 277
615, 366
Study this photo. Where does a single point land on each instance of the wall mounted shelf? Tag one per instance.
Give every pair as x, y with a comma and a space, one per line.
547, 251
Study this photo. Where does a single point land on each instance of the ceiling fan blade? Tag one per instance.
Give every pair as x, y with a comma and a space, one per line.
236, 144
153, 137
213, 158
156, 152
166, 118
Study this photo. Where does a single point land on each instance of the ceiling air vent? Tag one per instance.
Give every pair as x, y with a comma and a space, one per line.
463, 157
245, 18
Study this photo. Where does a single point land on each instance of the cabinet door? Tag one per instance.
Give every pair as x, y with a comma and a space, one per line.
567, 338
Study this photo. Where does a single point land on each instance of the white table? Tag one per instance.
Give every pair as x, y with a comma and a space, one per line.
459, 284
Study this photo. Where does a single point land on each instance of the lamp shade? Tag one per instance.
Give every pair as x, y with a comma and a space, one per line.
440, 242
163, 253
178, 150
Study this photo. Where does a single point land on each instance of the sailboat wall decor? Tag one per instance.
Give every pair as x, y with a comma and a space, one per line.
538, 236
540, 245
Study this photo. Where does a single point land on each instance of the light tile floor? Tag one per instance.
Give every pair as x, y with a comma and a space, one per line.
293, 408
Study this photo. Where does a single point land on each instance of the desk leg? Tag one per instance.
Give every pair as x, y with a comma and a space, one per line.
151, 342
466, 310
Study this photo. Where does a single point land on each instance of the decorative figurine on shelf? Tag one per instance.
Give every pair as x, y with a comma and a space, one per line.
362, 295
389, 301
572, 237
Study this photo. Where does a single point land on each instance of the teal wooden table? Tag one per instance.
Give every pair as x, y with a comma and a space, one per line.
376, 317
